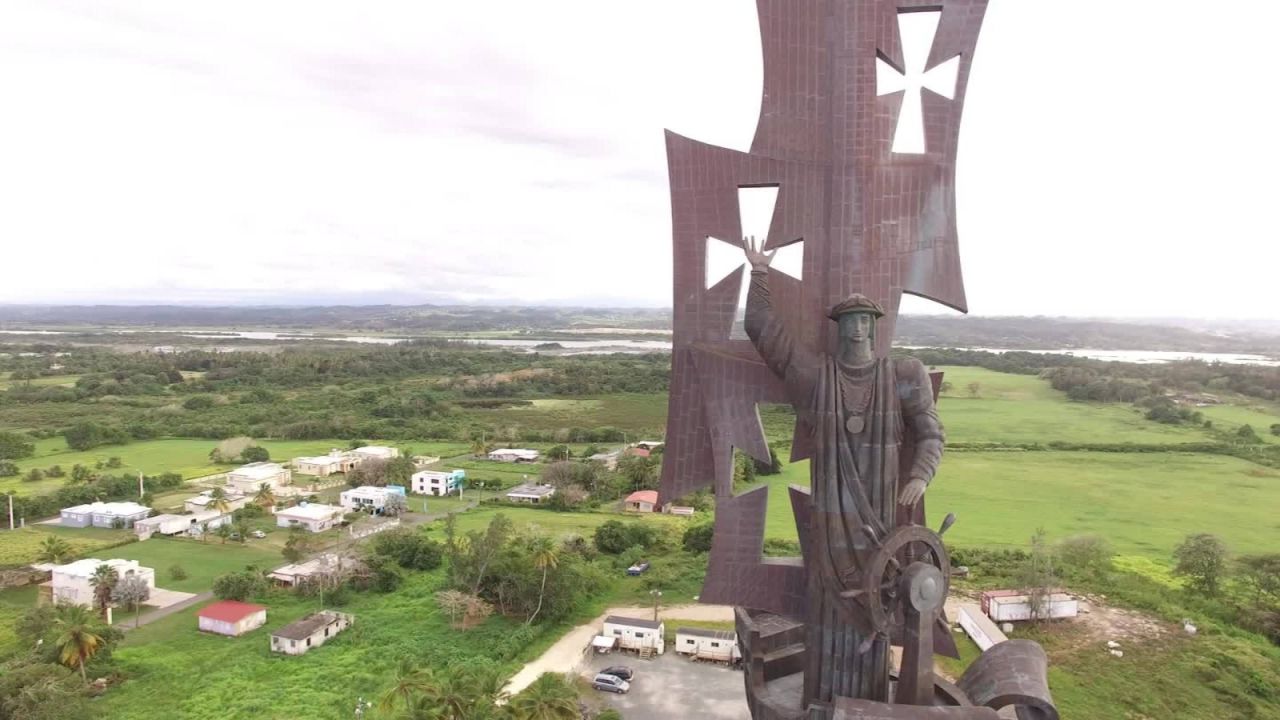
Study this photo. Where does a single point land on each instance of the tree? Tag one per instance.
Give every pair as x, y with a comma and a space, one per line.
241, 531
399, 471
218, 500
198, 402
78, 637
545, 557
298, 545
550, 697
773, 467
697, 538
946, 387
14, 446
34, 475
34, 690
1275, 429
1036, 577
1261, 576
103, 580
410, 680
223, 532
255, 453
130, 593
55, 471
239, 585
974, 388
265, 498
231, 450
80, 474
54, 549
1088, 555
1246, 434
395, 505
114, 462
177, 572
641, 472
8, 468
559, 452
1202, 559
372, 471
410, 549
472, 608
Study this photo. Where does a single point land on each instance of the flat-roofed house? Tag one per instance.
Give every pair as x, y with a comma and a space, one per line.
70, 584
530, 493
167, 524
104, 514
376, 452
641, 501
437, 482
337, 461
311, 631
315, 517
203, 502
643, 636
231, 617
514, 455
248, 478
368, 498
702, 644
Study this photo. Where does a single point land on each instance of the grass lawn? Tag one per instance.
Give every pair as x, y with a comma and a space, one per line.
644, 412
1143, 503
1025, 409
20, 547
52, 380
202, 561
13, 603
1230, 417
553, 523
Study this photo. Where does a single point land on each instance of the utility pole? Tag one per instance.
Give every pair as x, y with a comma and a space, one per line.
141, 490
10, 511
657, 595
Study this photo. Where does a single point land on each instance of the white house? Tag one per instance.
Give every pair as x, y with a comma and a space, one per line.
104, 514
376, 452
368, 498
311, 631
315, 517
195, 523
701, 644
70, 583
608, 459
436, 482
320, 565
200, 503
231, 617
530, 493
248, 478
513, 455
644, 636
641, 501
337, 461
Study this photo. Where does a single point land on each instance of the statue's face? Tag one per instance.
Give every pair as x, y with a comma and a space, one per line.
856, 327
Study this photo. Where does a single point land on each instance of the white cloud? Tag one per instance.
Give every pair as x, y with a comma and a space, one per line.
297, 152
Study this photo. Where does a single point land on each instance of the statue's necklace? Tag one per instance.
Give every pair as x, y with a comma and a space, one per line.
856, 395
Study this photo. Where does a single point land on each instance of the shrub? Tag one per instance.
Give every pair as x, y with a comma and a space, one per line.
614, 536
239, 585
15, 447
8, 469
697, 538
198, 402
409, 549
255, 454
1085, 554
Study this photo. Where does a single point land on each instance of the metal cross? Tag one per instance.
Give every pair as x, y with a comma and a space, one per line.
909, 136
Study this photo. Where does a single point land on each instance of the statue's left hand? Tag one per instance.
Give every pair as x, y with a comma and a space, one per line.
912, 493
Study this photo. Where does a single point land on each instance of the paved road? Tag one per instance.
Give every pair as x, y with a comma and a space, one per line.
673, 686
164, 612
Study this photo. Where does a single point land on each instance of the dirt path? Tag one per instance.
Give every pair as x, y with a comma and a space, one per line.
570, 650
165, 612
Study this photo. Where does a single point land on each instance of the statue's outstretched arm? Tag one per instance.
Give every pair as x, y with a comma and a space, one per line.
788, 359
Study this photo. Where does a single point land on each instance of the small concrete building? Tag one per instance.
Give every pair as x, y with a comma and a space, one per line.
70, 584
337, 461
644, 636
368, 498
978, 626
701, 644
231, 617
322, 565
649, 444
641, 501
376, 452
437, 482
248, 478
200, 503
104, 514
1013, 608
530, 493
608, 459
514, 455
312, 631
193, 524
315, 517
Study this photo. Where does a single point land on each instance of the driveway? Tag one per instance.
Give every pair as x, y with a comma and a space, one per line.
672, 686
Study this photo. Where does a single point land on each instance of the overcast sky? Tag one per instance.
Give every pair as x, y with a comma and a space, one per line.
1117, 157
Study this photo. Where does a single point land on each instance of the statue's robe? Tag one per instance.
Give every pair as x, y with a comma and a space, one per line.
855, 478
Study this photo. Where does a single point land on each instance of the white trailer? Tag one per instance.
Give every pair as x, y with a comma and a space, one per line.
715, 645
1013, 608
643, 636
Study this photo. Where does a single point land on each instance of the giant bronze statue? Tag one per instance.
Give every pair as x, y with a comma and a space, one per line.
874, 217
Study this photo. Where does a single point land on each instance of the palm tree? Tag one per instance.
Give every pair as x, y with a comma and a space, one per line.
545, 557
548, 698
410, 680
54, 549
265, 497
218, 500
77, 640
103, 580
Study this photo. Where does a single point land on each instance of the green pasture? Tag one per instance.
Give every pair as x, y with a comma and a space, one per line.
550, 522
1143, 503
21, 546
13, 603
643, 412
1231, 417
52, 380
1025, 409
203, 561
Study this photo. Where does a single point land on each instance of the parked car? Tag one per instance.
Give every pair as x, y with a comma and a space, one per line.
609, 683
622, 672
258, 534
638, 568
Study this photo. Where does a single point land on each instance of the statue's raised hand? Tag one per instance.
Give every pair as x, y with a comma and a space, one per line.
755, 255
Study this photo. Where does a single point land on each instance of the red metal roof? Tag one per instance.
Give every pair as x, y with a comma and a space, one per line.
230, 610
643, 496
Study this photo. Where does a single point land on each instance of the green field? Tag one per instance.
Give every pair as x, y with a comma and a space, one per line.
644, 413
52, 380
20, 547
1259, 417
203, 561
553, 523
1144, 503
1025, 409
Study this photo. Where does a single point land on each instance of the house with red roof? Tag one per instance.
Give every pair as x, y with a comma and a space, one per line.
231, 617
641, 501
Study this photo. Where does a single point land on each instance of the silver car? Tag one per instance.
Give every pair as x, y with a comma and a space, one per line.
610, 683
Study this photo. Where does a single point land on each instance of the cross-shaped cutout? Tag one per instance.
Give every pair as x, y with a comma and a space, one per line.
724, 255
917, 30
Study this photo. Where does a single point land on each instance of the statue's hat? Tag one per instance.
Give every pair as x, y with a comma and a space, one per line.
855, 303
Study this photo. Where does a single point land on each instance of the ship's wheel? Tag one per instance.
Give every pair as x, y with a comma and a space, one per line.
883, 591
